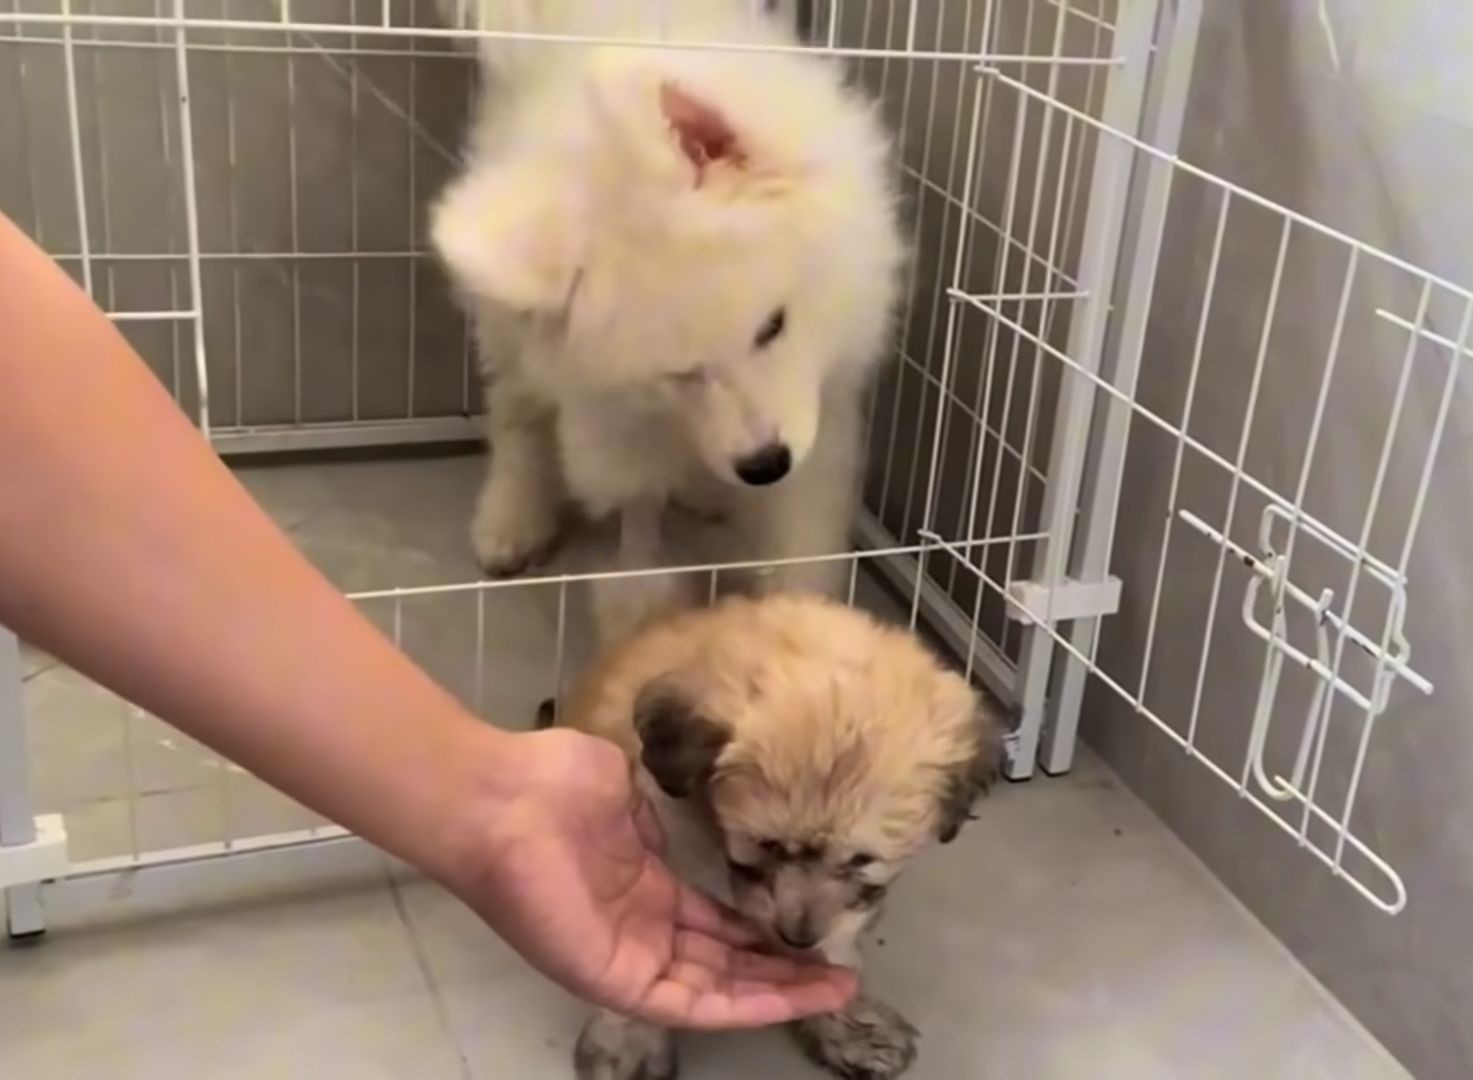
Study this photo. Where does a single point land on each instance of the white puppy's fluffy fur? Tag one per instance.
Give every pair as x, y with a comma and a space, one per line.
682, 264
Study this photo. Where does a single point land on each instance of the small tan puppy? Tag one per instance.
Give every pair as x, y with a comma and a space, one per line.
798, 753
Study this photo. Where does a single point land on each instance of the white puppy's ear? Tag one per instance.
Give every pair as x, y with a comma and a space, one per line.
702, 131
512, 234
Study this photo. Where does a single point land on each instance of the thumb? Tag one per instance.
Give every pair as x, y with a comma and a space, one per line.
646, 819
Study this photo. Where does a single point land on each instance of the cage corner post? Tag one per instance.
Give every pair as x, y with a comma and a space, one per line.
32, 849
1121, 120
1167, 88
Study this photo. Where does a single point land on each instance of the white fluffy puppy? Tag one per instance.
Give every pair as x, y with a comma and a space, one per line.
682, 264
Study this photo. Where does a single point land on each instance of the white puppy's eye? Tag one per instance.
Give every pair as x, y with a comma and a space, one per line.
860, 861
693, 377
772, 329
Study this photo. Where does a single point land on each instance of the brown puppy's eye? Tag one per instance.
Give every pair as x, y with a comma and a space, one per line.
871, 895
743, 871
771, 847
772, 329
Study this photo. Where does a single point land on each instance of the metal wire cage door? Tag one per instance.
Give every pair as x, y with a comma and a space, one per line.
241, 185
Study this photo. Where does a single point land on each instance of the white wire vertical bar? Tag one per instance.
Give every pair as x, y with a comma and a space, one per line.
977, 439
1209, 631
169, 222
354, 96
949, 350
1054, 278
908, 319
74, 131
1188, 405
1178, 33
1045, 139
853, 581
237, 327
965, 214
22, 79
412, 95
480, 677
1347, 608
1444, 409
191, 217
991, 26
24, 916
1332, 360
294, 208
560, 650
1100, 252
714, 588
108, 290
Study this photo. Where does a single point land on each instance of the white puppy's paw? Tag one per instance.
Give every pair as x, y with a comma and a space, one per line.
509, 536
613, 1048
867, 1041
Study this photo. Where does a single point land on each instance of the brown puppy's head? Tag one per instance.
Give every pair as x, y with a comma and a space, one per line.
829, 750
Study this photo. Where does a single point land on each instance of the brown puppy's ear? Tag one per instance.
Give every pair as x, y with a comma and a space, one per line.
974, 778
679, 746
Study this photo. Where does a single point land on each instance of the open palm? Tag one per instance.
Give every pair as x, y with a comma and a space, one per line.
574, 881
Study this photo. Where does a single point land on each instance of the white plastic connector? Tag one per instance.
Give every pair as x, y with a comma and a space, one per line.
43, 859
1069, 599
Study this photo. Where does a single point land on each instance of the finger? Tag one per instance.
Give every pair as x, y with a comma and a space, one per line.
742, 1003
699, 912
736, 963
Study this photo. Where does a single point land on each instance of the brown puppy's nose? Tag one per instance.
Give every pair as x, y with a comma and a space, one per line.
801, 936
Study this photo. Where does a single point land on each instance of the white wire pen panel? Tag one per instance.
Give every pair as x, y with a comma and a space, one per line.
1099, 341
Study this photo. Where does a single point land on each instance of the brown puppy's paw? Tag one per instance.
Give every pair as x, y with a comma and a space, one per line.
614, 1048
867, 1041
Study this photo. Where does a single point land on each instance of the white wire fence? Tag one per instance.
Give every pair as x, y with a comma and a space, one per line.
1096, 332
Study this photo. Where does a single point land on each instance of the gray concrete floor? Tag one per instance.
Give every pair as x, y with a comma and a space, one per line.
1066, 934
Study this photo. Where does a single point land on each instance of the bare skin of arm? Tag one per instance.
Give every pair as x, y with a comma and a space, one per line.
129, 551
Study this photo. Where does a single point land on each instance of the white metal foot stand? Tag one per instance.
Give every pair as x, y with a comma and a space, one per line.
32, 849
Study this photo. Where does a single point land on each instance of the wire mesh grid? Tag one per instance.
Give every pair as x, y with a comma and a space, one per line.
1044, 361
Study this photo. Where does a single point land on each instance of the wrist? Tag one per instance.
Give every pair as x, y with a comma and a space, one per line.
479, 773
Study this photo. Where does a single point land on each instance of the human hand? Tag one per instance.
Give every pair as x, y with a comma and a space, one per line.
567, 870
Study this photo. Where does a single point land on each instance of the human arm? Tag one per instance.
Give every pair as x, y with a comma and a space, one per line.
128, 550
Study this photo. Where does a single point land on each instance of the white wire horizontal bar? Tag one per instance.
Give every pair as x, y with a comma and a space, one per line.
678, 570
152, 316
972, 414
203, 852
1164, 424
346, 435
1426, 335
241, 256
1026, 296
1237, 190
438, 33
956, 628
312, 48
1356, 637
1390, 906
979, 218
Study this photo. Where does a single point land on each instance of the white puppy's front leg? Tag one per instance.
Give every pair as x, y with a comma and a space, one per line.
622, 604
812, 512
521, 504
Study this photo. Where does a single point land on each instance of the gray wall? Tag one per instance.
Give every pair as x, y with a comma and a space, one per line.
302, 148
1383, 148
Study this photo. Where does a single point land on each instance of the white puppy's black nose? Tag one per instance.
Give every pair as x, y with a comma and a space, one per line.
766, 466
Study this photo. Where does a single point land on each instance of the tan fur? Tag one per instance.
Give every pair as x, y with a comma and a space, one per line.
834, 736
843, 728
